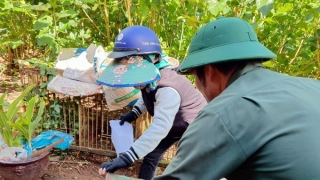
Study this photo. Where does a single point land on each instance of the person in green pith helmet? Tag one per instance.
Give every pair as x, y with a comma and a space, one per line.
258, 124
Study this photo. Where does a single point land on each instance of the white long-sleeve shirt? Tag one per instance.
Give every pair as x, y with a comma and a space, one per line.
165, 109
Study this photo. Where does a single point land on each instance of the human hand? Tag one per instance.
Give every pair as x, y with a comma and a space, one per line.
129, 117
111, 166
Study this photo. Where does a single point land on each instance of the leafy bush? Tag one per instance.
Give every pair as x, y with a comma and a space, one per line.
40, 28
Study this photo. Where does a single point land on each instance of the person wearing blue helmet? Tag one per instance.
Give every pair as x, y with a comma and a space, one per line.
169, 98
258, 124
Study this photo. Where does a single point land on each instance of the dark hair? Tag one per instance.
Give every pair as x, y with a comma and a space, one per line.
201, 75
224, 68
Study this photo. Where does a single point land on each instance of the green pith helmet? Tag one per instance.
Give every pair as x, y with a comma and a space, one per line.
224, 40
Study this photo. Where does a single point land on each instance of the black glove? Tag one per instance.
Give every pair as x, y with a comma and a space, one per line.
120, 162
130, 116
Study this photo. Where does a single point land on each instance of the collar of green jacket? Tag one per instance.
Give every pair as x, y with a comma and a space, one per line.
243, 70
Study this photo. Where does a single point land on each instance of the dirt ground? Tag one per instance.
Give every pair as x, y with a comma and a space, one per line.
11, 85
80, 165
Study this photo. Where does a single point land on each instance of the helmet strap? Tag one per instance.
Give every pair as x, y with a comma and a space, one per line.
147, 57
151, 58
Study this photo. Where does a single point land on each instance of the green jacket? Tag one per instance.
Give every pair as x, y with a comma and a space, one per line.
265, 125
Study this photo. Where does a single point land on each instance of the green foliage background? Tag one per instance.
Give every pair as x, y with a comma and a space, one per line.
38, 29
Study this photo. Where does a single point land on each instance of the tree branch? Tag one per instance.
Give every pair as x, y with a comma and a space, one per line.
93, 22
296, 55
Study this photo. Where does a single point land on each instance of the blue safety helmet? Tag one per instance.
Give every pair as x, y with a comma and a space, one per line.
135, 40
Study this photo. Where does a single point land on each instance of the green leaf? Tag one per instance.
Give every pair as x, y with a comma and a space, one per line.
44, 7
95, 7
286, 8
67, 13
2, 5
247, 15
309, 18
270, 21
81, 32
5, 129
264, 6
254, 25
45, 40
3, 119
57, 109
66, 2
88, 1
30, 108
14, 108
7, 5
268, 64
42, 72
40, 112
72, 35
23, 10
43, 85
25, 124
16, 43
38, 25
2, 100
289, 47
23, 129
85, 6
144, 8
216, 7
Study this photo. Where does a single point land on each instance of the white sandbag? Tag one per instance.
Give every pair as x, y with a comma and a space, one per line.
78, 63
87, 76
67, 53
91, 50
121, 136
100, 60
71, 87
117, 98
78, 68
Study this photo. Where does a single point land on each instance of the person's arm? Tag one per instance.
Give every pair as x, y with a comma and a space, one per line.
166, 107
165, 110
207, 150
138, 109
141, 107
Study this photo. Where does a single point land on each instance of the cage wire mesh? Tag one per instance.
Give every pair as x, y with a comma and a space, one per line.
86, 118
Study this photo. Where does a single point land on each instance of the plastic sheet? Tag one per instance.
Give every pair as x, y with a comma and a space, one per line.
2, 143
49, 137
10, 154
121, 136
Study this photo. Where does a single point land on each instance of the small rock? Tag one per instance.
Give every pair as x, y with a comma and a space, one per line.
75, 177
